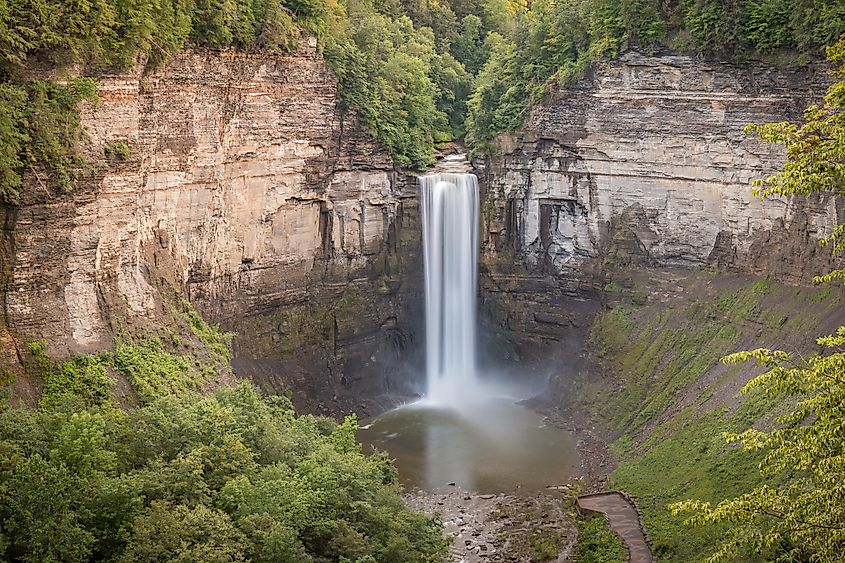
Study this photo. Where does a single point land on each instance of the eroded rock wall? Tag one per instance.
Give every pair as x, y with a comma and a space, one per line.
643, 163
654, 147
248, 191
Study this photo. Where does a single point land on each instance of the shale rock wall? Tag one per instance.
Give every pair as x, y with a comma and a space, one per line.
248, 191
648, 155
643, 163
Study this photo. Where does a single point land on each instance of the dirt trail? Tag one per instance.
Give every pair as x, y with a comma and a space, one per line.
624, 520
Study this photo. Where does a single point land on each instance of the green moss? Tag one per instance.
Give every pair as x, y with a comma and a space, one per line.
543, 545
660, 351
316, 325
303, 327
117, 149
152, 371
7, 377
822, 294
612, 287
219, 344
597, 543
658, 359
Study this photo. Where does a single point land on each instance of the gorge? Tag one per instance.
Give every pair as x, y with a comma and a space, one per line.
239, 218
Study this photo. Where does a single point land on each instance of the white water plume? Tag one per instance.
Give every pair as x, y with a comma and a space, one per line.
450, 246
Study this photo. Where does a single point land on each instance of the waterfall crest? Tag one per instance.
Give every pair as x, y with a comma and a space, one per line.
450, 247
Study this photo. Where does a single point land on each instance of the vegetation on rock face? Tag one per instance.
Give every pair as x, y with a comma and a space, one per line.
393, 75
152, 366
815, 152
39, 120
39, 129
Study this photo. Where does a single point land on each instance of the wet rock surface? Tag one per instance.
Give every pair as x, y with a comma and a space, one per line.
501, 527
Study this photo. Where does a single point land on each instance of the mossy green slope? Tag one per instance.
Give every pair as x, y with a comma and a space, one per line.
666, 399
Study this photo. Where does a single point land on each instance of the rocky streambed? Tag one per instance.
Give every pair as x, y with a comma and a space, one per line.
502, 527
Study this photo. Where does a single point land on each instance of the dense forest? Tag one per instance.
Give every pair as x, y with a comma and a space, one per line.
188, 476
229, 477
417, 73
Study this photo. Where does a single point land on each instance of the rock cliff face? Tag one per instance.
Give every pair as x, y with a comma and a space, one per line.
642, 163
251, 193
248, 191
649, 153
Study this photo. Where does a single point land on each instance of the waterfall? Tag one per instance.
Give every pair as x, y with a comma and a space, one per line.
450, 247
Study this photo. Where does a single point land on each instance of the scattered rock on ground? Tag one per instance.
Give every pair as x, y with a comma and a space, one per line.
500, 527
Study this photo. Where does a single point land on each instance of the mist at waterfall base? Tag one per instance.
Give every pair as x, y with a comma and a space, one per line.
469, 430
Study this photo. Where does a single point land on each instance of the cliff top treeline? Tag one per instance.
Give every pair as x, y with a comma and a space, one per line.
417, 72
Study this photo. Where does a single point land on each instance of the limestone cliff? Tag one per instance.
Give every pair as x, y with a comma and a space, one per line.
247, 190
649, 153
642, 163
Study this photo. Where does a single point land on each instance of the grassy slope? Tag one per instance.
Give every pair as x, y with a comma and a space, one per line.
150, 361
665, 398
597, 543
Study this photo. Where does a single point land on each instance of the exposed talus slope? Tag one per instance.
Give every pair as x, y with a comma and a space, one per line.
247, 190
649, 152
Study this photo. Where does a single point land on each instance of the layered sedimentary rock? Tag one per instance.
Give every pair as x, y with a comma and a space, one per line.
643, 162
649, 153
246, 190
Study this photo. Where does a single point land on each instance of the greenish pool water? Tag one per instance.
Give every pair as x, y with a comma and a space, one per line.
494, 446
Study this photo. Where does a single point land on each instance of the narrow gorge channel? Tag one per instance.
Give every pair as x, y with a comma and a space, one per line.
389, 281
469, 436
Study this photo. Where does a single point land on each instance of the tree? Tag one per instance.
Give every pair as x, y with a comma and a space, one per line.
178, 533
469, 47
42, 514
227, 477
815, 152
799, 513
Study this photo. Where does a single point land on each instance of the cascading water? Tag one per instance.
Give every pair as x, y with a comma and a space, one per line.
467, 431
450, 246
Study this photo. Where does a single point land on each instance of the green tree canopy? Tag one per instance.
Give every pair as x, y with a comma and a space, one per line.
228, 477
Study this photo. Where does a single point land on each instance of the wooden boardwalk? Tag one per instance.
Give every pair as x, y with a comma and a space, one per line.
624, 520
